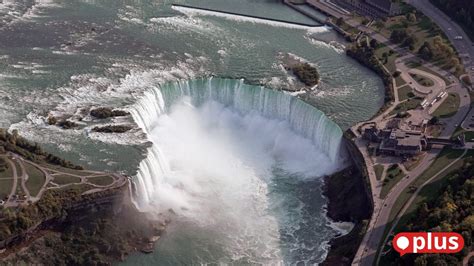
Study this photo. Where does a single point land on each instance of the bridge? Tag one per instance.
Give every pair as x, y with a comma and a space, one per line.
446, 142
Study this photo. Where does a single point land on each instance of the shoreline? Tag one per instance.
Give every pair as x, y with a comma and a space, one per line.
347, 203
113, 228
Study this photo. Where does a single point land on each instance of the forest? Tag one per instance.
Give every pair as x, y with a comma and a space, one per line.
462, 11
450, 210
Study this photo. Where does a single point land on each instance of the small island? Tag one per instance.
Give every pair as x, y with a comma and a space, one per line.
305, 73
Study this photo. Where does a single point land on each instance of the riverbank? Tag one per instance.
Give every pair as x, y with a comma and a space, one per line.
68, 220
348, 201
97, 229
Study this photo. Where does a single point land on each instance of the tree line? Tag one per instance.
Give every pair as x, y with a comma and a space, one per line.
451, 210
461, 11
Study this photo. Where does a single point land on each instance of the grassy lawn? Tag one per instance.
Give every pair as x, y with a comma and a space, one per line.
65, 170
413, 162
378, 168
445, 157
423, 81
418, 65
79, 187
7, 173
18, 168
399, 81
430, 191
348, 28
5, 187
66, 179
405, 93
101, 180
434, 73
409, 104
36, 179
449, 107
469, 135
394, 175
390, 62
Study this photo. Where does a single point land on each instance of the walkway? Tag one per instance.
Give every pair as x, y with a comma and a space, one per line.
409, 203
451, 29
50, 173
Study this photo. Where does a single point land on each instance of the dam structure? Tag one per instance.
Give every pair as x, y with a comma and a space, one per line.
221, 13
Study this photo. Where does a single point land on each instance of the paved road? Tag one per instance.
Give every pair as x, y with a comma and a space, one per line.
382, 208
118, 180
412, 198
15, 182
464, 47
367, 252
438, 86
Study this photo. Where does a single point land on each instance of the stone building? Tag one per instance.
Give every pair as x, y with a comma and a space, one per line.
402, 143
395, 141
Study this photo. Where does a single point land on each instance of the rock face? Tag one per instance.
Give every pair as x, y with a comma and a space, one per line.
349, 201
105, 112
66, 124
93, 229
112, 129
347, 197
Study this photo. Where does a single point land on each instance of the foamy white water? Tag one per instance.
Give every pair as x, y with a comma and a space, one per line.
189, 11
218, 146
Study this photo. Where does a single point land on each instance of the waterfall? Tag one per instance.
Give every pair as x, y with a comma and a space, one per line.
303, 118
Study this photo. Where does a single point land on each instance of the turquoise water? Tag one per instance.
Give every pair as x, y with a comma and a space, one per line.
65, 57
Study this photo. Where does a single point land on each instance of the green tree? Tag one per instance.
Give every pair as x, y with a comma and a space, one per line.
411, 17
374, 43
426, 51
399, 35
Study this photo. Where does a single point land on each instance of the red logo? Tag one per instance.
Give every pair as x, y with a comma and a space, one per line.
428, 243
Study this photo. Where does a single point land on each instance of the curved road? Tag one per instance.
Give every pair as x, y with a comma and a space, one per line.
464, 46
412, 198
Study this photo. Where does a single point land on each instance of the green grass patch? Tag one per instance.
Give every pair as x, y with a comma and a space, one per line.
5, 188
36, 179
409, 104
19, 172
469, 135
66, 179
394, 175
426, 69
378, 168
101, 180
399, 81
8, 173
423, 81
449, 107
413, 64
429, 192
389, 61
66, 170
445, 157
405, 93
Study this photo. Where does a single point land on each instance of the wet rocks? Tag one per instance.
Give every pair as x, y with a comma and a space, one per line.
112, 129
105, 112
